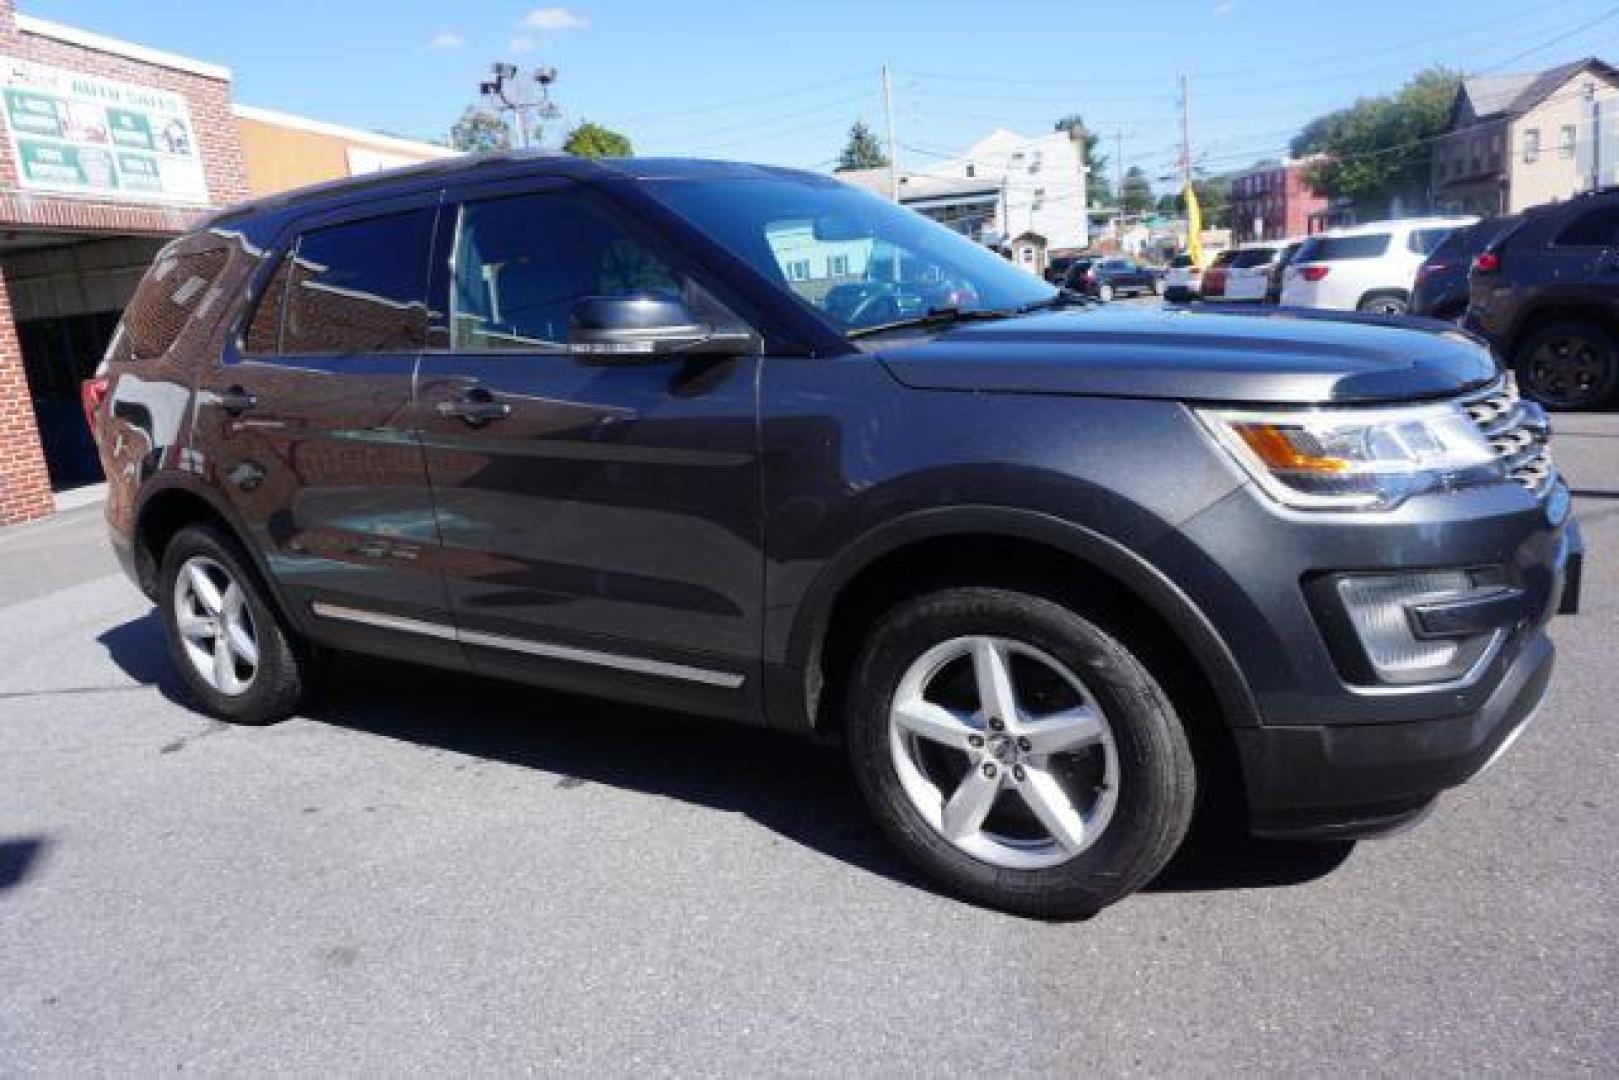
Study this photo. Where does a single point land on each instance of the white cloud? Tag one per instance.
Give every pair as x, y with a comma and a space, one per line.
446, 40
521, 43
547, 20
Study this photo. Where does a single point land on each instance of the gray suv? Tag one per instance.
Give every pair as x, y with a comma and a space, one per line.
752, 444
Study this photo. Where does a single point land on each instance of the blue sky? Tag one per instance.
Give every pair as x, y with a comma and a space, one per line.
780, 81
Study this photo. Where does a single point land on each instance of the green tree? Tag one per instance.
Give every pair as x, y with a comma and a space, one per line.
862, 151
1136, 198
480, 131
590, 140
1378, 150
1097, 185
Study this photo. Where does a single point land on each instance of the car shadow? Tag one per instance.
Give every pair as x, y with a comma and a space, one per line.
798, 789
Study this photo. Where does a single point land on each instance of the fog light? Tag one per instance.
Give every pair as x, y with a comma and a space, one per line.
1380, 607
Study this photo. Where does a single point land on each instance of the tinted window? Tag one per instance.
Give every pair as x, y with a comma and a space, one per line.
522, 263
1594, 228
1423, 241
1252, 257
170, 293
1225, 258
1334, 248
352, 288
1180, 262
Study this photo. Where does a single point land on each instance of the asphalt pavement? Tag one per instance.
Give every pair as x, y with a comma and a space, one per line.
428, 874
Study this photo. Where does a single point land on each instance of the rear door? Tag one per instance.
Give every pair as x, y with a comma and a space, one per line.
599, 514
306, 427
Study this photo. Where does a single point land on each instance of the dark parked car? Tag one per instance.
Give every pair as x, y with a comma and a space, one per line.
1054, 576
1546, 296
1278, 271
1074, 277
1108, 278
1441, 289
1057, 269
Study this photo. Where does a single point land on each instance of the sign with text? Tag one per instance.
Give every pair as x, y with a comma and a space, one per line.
76, 134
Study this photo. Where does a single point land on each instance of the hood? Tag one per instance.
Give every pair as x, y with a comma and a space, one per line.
1276, 357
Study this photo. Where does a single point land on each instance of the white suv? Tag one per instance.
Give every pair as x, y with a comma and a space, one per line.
1367, 267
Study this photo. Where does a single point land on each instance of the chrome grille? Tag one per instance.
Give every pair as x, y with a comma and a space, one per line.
1517, 430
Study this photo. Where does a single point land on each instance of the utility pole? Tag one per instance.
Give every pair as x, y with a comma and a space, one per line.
505, 93
1596, 134
1118, 188
1193, 243
893, 145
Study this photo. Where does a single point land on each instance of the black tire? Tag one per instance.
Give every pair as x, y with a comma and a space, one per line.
1390, 304
1157, 786
1585, 383
283, 669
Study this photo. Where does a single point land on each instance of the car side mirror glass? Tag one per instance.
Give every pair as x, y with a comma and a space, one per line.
639, 325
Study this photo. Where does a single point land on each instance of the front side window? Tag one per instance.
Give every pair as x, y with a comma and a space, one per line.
358, 287
897, 263
523, 262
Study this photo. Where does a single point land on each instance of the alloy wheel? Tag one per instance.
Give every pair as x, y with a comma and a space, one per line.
1566, 370
216, 626
1004, 752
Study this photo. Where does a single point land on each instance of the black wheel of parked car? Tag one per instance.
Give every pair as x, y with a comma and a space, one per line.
1568, 365
229, 645
1017, 752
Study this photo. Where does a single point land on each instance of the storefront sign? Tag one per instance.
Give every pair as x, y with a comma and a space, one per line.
84, 135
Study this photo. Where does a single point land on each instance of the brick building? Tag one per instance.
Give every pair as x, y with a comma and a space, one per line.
109, 150
1273, 202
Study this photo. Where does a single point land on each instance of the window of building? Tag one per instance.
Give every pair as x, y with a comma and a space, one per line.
1565, 142
522, 263
1531, 146
797, 269
359, 287
169, 294
1039, 201
972, 170
1594, 228
1036, 160
837, 266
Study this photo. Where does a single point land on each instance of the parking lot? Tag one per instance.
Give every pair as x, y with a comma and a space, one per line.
431, 874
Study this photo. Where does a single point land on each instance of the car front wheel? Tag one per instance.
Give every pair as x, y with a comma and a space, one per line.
1572, 365
1018, 753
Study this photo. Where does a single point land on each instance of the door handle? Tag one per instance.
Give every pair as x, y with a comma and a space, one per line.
477, 407
237, 401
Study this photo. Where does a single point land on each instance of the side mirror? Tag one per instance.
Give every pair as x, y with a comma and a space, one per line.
646, 324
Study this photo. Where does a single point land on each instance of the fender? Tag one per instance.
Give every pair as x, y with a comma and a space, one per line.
786, 698
175, 480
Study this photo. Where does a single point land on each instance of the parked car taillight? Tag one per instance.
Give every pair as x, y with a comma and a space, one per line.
92, 392
1313, 273
1487, 262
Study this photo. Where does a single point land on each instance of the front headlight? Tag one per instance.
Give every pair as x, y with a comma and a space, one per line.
1356, 459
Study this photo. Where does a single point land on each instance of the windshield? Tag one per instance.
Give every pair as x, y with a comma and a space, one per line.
857, 260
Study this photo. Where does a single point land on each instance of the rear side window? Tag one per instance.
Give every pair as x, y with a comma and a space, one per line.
1424, 241
1342, 248
1594, 228
171, 292
1252, 257
358, 287
1225, 258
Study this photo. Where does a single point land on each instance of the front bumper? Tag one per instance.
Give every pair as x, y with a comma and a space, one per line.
1339, 781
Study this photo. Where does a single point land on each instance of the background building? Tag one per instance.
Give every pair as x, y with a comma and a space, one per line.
110, 150
1275, 201
1517, 141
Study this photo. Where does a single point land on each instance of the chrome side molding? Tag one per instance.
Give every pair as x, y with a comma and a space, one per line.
725, 680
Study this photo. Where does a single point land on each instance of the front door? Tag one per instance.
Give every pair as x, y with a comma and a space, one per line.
307, 428
599, 514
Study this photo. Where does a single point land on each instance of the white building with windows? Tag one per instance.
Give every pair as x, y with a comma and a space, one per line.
1025, 195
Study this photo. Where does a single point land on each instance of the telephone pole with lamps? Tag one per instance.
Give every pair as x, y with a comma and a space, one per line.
524, 98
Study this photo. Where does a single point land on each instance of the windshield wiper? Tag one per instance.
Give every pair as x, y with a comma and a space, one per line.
934, 316
1063, 298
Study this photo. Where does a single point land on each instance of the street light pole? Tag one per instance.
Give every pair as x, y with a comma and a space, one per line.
893, 145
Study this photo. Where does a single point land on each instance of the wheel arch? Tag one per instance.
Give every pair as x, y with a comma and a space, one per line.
1390, 290
1543, 315
175, 502
993, 545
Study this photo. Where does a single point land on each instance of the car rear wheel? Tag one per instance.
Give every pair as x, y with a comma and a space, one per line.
1570, 365
1383, 304
1018, 753
229, 645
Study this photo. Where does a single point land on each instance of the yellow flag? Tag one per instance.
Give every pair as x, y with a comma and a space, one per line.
1194, 226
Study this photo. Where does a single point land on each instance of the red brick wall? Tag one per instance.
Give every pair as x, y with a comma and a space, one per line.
25, 489
24, 486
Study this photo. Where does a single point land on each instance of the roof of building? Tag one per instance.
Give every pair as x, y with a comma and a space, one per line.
87, 39
339, 131
1515, 94
918, 187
